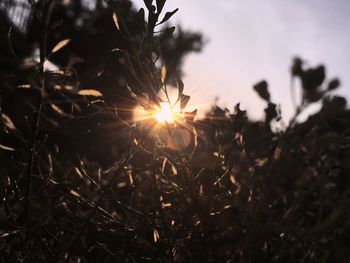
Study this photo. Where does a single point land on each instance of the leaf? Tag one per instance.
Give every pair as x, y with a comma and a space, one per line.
24, 86
297, 67
115, 19
155, 235
136, 142
227, 207
166, 205
262, 89
60, 45
8, 122
50, 164
148, 3
131, 180
232, 180
160, 5
140, 18
333, 84
131, 92
163, 73
180, 86
173, 169
57, 109
169, 31
164, 163
78, 172
195, 136
8, 233
189, 116
74, 193
313, 78
122, 184
7, 148
90, 92
184, 100
167, 16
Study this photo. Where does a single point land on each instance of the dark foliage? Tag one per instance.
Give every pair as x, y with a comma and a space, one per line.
81, 181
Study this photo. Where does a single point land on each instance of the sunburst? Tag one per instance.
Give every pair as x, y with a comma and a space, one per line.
167, 113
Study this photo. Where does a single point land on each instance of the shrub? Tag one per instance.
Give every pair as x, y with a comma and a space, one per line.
82, 182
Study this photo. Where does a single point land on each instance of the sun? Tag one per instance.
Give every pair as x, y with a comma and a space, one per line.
166, 113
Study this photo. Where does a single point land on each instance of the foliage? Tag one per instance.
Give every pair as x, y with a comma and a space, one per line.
82, 182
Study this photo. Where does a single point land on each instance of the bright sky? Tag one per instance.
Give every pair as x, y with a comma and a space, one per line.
252, 40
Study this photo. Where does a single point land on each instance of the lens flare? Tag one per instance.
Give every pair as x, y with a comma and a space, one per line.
166, 113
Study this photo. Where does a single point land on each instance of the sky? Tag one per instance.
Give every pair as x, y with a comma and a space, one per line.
252, 40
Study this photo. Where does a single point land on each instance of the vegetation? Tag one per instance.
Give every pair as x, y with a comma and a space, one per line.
82, 180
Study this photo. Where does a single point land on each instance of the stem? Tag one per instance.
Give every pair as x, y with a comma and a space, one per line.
31, 164
111, 180
162, 217
43, 46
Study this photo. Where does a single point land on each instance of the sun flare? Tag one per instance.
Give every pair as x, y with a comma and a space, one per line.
165, 113
168, 111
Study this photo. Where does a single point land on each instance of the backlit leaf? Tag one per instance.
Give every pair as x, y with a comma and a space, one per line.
7, 148
60, 45
57, 109
131, 180
163, 73
173, 169
115, 19
74, 193
164, 163
136, 142
155, 235
184, 100
232, 179
8, 122
90, 92
189, 116
195, 136
166, 205
78, 172
122, 184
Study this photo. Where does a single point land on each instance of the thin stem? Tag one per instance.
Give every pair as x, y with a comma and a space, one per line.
31, 164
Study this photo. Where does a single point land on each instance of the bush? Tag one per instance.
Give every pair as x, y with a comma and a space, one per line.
81, 181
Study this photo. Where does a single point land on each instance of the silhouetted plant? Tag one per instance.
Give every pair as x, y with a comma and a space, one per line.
81, 181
